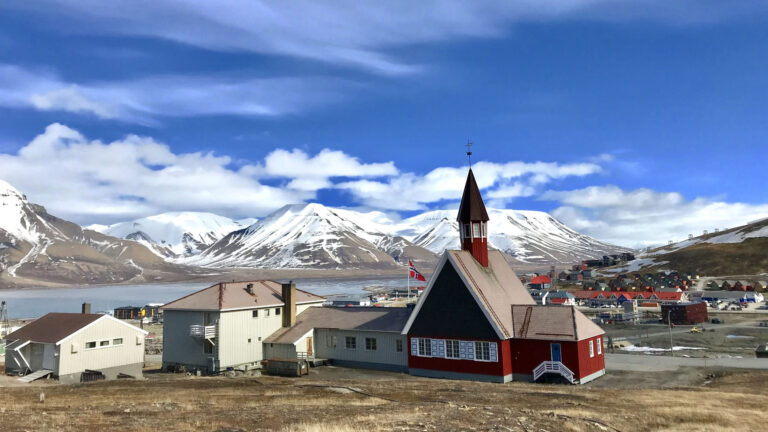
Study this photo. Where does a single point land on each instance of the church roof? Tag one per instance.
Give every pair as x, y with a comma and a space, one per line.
472, 207
552, 323
495, 288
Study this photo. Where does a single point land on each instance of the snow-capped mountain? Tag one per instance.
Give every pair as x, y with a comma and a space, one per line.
528, 236
313, 235
39, 249
310, 236
175, 234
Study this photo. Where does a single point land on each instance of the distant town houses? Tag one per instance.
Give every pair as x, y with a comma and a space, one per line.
608, 260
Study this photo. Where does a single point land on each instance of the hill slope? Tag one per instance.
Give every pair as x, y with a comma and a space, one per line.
37, 248
739, 250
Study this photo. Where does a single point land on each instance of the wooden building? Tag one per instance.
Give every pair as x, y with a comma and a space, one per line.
69, 345
476, 321
223, 326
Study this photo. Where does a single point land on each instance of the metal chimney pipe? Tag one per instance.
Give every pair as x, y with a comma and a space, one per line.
289, 300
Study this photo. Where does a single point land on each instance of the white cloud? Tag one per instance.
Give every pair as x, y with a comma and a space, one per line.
313, 173
91, 181
644, 217
350, 32
146, 100
503, 181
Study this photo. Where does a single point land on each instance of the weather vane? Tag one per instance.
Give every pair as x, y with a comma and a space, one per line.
469, 153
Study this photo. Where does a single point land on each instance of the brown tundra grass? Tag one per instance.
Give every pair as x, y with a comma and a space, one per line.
734, 402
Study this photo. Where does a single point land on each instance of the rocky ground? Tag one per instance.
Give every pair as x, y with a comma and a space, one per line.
337, 399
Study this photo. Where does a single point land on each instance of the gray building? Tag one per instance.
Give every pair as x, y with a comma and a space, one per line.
223, 326
363, 337
66, 345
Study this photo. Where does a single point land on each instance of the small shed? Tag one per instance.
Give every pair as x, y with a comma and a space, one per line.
67, 345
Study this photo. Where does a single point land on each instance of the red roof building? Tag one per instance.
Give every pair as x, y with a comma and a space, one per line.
476, 321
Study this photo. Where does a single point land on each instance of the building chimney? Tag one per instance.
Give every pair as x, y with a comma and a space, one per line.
289, 299
86, 308
249, 288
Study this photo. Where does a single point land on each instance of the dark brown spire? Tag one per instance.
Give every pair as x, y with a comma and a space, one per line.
472, 208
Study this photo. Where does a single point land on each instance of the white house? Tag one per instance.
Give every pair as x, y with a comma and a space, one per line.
66, 345
223, 326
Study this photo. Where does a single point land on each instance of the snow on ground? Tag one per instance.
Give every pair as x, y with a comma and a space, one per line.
634, 348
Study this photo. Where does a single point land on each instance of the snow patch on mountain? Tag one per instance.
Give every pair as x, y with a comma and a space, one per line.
175, 234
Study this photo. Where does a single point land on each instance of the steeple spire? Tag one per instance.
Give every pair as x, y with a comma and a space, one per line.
473, 218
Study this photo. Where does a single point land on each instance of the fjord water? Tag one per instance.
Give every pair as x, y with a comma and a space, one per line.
32, 303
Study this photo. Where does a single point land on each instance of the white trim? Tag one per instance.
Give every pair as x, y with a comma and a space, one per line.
447, 257
107, 317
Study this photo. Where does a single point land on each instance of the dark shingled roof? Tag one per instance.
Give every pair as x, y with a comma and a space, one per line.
472, 207
53, 327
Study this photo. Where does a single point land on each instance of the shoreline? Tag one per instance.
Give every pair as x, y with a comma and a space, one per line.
241, 274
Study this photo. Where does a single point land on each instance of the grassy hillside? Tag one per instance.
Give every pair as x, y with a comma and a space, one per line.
747, 257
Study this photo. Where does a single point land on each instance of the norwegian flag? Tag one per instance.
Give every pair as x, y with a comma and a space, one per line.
414, 274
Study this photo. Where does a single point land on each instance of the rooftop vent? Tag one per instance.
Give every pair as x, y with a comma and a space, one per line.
249, 288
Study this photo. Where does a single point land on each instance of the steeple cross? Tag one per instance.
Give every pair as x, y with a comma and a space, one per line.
469, 153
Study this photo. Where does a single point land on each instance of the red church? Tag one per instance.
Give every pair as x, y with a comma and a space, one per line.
476, 321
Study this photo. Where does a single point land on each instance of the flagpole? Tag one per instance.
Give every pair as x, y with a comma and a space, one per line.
409, 280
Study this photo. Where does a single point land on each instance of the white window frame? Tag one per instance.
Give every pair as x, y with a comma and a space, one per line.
456, 349
599, 346
424, 347
117, 341
475, 230
591, 349
481, 345
95, 345
354, 342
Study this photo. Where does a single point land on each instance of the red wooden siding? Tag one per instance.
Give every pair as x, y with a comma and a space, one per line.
528, 354
500, 368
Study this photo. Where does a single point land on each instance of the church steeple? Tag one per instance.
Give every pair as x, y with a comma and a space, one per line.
473, 221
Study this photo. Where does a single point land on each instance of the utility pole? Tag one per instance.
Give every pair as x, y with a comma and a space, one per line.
5, 326
669, 321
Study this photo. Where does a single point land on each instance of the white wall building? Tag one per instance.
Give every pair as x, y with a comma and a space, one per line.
68, 344
223, 326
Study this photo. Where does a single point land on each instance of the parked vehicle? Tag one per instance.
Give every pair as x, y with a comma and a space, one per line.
717, 321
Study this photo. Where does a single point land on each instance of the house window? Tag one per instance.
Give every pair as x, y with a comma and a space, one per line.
399, 345
483, 351
207, 347
370, 344
599, 346
255, 314
118, 341
452, 349
249, 340
591, 349
476, 230
351, 342
104, 343
90, 345
330, 340
277, 311
425, 347
482, 227
466, 231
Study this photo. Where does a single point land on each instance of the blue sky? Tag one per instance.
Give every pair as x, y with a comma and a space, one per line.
635, 122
